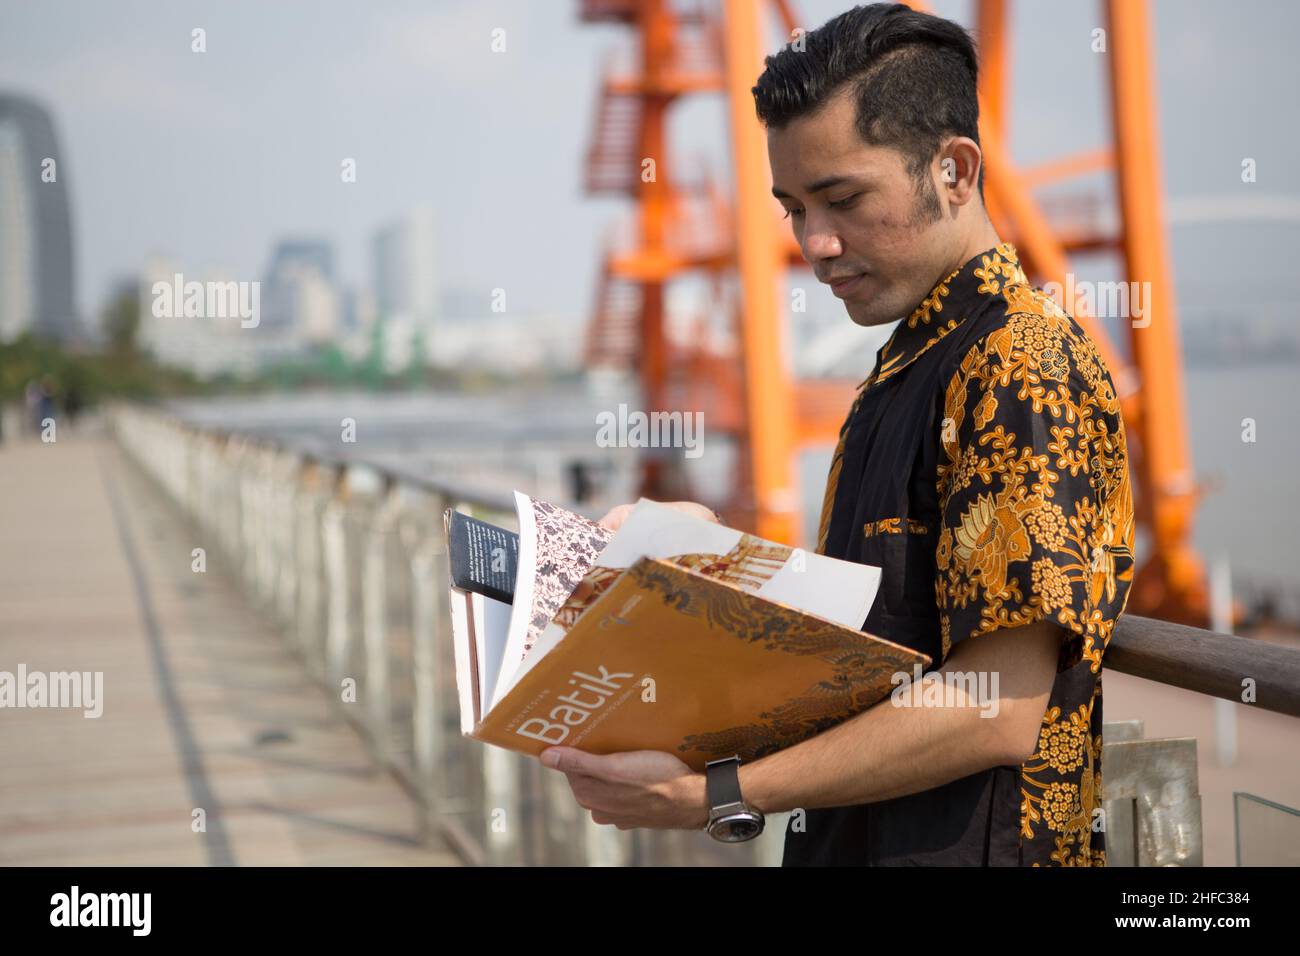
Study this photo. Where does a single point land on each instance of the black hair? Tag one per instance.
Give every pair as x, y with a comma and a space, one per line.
913, 75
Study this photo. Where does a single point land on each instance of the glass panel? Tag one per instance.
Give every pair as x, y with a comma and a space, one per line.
1268, 834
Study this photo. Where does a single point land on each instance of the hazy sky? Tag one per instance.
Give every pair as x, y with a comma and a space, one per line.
209, 158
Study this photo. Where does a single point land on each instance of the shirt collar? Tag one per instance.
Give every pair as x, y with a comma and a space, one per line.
949, 303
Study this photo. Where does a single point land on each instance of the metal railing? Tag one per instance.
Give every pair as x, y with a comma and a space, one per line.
348, 559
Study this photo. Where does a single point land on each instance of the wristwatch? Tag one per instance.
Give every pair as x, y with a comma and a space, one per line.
730, 821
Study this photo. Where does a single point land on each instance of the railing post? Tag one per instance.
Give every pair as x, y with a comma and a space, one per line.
565, 821
374, 608
605, 845
1152, 807
288, 561
503, 808
309, 575
334, 544
428, 736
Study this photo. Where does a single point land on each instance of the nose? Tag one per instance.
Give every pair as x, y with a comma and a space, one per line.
820, 241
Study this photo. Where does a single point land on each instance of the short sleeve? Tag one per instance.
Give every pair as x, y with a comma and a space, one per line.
1036, 509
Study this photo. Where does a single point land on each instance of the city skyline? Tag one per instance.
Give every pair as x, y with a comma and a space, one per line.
212, 156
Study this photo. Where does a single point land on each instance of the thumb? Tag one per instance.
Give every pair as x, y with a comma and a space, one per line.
572, 760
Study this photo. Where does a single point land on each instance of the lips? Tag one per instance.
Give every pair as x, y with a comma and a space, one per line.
841, 286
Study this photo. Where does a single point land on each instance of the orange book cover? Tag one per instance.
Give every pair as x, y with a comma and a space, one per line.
684, 659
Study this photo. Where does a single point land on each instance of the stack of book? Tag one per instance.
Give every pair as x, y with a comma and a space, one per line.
674, 633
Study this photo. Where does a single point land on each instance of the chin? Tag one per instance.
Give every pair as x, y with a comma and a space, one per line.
868, 314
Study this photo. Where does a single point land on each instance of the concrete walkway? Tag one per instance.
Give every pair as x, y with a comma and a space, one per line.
203, 706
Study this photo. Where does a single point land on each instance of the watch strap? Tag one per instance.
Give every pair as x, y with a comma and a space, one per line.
722, 782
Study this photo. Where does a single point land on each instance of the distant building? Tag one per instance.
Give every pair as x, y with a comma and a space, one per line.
204, 345
404, 259
510, 342
317, 253
37, 279
297, 306
299, 299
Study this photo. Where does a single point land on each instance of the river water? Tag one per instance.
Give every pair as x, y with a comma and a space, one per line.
1248, 515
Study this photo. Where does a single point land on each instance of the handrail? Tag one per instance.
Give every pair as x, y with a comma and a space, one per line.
355, 577
390, 474
1207, 662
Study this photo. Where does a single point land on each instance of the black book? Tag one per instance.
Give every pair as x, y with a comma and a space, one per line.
483, 557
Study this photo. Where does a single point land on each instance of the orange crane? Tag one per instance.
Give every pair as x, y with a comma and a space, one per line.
687, 225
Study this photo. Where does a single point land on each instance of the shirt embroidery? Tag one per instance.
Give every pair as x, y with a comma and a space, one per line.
1038, 524
1035, 517
894, 526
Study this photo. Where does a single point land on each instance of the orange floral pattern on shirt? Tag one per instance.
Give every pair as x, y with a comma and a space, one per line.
1037, 523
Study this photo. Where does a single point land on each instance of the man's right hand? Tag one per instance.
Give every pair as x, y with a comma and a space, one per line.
615, 517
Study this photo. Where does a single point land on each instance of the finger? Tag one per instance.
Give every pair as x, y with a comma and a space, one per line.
586, 790
615, 517
696, 509
570, 760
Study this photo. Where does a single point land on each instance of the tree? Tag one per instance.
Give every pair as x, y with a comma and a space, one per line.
121, 320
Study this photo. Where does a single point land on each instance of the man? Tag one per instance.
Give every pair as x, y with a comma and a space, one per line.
983, 467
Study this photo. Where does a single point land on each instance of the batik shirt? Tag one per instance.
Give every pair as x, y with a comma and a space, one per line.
984, 468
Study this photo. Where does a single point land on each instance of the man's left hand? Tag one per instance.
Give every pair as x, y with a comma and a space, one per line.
639, 788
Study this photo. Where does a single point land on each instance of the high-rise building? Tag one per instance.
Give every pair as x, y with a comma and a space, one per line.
405, 275
406, 288
299, 299
37, 282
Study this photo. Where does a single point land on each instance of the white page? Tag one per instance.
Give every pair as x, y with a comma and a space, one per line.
480, 626
462, 610
839, 591
492, 628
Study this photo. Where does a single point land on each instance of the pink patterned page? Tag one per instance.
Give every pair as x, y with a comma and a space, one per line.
567, 546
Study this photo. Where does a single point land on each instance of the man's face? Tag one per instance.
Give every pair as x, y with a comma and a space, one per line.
858, 214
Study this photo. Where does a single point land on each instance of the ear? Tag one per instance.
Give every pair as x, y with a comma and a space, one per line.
958, 168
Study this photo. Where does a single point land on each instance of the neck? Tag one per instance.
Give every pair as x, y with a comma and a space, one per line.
983, 236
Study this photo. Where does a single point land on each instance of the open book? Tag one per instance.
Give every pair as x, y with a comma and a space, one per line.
673, 633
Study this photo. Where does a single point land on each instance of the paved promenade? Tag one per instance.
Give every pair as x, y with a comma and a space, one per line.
203, 708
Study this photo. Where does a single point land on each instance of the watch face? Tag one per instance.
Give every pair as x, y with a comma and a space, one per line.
737, 828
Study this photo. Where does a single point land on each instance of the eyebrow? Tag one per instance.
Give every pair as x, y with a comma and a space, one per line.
813, 187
